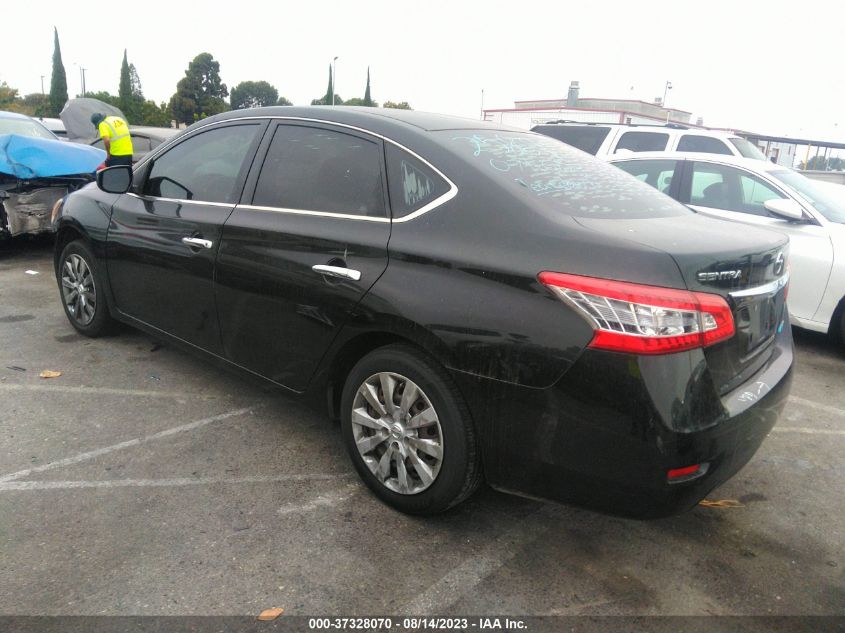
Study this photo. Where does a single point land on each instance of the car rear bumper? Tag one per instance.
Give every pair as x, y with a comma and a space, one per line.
608, 432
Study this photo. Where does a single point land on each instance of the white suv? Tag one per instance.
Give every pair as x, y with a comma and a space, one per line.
604, 139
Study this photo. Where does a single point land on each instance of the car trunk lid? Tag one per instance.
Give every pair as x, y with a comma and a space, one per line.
744, 265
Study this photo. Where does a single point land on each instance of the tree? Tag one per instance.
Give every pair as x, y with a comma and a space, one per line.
155, 115
105, 97
368, 100
283, 102
58, 79
8, 96
354, 101
35, 104
135, 82
253, 94
402, 105
124, 91
200, 93
326, 99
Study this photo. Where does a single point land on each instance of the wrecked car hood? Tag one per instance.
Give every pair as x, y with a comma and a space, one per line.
26, 157
76, 115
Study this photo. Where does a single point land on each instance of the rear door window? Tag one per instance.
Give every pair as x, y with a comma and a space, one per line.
699, 143
319, 169
657, 173
643, 141
587, 138
412, 184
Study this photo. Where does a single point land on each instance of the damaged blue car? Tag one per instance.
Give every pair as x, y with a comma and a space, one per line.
36, 171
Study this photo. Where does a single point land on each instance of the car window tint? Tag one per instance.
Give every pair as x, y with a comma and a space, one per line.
203, 167
706, 144
657, 173
317, 169
728, 188
587, 138
412, 183
643, 141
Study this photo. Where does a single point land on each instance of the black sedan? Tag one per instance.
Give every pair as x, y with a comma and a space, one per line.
474, 303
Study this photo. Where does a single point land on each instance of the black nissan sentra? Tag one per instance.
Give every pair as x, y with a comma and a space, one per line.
474, 303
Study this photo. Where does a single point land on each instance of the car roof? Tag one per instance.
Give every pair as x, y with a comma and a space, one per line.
643, 127
379, 120
751, 164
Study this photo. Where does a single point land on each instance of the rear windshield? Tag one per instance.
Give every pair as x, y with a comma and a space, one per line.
587, 138
563, 178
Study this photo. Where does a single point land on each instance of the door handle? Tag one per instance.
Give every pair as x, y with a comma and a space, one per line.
337, 271
197, 242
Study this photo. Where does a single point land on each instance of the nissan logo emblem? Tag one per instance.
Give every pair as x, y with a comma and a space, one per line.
780, 262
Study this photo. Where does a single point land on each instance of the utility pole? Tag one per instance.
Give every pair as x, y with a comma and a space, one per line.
83, 79
482, 104
42, 84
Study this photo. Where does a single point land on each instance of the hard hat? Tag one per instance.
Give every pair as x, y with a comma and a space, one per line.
96, 118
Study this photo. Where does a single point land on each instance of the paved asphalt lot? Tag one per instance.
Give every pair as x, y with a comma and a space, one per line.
147, 481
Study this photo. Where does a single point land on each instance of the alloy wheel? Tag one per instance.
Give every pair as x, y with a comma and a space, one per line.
397, 433
78, 289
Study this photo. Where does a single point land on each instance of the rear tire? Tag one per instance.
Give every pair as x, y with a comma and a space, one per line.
408, 431
82, 291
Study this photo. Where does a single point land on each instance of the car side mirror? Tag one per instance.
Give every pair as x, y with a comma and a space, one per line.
116, 179
785, 209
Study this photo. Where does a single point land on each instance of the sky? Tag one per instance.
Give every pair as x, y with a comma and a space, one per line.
771, 67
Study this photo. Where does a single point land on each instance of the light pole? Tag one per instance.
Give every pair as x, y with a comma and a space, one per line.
81, 78
334, 78
665, 90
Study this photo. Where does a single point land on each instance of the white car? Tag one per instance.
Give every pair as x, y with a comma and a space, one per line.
762, 194
608, 139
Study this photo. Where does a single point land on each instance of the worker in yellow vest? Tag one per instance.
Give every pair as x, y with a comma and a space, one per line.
115, 134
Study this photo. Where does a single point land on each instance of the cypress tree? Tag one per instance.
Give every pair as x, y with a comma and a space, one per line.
327, 100
368, 100
124, 92
58, 79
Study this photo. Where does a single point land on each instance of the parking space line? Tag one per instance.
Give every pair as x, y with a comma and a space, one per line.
161, 483
468, 575
817, 405
190, 426
105, 391
803, 429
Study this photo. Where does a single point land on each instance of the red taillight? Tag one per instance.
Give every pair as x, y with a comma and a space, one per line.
640, 319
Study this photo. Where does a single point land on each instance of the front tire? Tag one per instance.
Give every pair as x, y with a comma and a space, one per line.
408, 431
81, 288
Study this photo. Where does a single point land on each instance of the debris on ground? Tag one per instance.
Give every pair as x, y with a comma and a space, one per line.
721, 503
49, 373
15, 368
270, 614
31, 272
